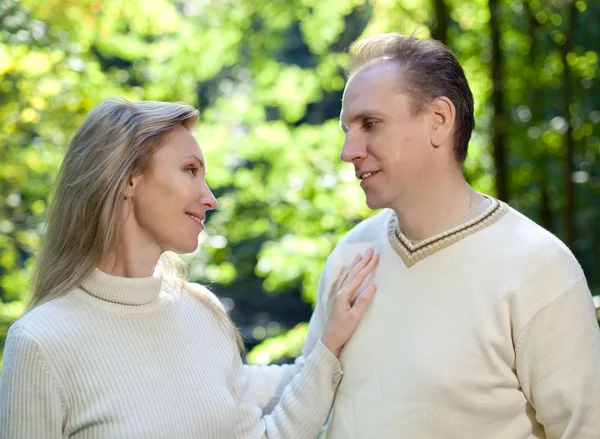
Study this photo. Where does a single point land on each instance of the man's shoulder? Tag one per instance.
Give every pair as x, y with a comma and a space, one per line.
537, 252
528, 236
369, 229
370, 233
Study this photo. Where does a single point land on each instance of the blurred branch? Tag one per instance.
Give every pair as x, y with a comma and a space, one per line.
569, 141
539, 150
439, 30
499, 121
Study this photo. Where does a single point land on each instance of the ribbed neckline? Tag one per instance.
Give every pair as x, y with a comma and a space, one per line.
127, 292
413, 253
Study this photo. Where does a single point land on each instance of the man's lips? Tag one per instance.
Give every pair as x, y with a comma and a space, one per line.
363, 175
196, 217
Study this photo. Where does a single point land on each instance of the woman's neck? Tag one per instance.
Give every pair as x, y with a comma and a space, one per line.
128, 265
134, 256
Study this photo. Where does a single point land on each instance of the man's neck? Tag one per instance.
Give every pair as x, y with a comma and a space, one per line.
437, 209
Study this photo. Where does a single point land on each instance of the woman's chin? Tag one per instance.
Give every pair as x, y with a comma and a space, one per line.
188, 250
184, 248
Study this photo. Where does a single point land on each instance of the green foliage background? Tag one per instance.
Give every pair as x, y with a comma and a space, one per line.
268, 77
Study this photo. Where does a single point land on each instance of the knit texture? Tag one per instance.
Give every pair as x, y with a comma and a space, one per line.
485, 331
142, 358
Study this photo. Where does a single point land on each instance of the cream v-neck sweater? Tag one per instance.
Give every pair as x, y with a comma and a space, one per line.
485, 331
140, 358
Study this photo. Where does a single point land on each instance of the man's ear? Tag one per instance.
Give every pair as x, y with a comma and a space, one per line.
133, 185
443, 122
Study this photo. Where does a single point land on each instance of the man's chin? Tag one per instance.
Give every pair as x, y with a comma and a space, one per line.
374, 203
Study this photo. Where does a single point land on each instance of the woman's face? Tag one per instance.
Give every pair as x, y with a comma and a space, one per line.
169, 200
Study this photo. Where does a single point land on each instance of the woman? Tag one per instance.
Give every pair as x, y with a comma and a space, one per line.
116, 344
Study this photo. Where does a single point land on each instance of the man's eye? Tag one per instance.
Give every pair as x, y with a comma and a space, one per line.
368, 124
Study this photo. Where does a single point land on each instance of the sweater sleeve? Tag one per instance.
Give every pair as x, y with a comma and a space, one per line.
304, 406
558, 364
30, 403
267, 382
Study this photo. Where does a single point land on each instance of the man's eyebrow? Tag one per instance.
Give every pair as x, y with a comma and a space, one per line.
360, 116
198, 159
342, 126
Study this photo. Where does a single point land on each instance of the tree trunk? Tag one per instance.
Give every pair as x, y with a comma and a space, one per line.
440, 27
539, 155
569, 142
499, 122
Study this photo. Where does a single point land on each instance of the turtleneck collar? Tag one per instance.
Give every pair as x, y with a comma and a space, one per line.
124, 291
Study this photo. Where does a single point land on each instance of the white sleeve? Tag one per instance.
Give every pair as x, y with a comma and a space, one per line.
268, 382
304, 406
30, 403
558, 365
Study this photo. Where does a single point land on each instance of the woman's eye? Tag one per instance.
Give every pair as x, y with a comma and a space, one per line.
192, 170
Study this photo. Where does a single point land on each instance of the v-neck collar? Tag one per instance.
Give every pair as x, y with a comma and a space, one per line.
413, 253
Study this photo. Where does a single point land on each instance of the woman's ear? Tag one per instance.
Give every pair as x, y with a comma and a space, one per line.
133, 185
444, 117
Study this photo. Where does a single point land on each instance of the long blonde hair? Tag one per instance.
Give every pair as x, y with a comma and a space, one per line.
116, 141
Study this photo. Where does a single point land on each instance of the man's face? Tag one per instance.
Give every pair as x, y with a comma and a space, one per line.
389, 147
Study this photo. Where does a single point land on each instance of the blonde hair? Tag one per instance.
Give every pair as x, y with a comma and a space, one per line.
116, 141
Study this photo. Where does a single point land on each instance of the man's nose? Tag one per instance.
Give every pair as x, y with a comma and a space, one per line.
353, 149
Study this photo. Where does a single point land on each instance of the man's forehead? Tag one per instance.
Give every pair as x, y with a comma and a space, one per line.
366, 92
356, 95
374, 74
360, 105
381, 78
358, 109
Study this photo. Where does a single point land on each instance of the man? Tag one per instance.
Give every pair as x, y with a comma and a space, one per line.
483, 325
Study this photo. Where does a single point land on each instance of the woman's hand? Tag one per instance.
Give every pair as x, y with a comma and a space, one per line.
349, 307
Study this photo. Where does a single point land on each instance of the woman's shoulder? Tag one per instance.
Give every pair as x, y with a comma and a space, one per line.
41, 323
202, 293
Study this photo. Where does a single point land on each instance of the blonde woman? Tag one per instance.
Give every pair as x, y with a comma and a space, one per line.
116, 344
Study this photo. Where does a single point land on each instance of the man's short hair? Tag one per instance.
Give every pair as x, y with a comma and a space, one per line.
429, 70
